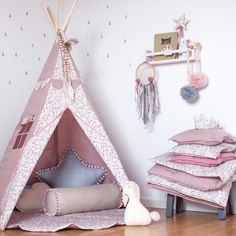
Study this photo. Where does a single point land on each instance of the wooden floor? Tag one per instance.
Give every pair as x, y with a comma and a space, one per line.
185, 224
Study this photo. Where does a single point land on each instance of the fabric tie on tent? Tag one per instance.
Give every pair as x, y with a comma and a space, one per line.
27, 119
71, 42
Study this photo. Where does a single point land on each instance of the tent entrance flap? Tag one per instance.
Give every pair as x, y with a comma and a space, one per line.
69, 135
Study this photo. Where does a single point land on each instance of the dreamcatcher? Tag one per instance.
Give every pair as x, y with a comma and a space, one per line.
146, 94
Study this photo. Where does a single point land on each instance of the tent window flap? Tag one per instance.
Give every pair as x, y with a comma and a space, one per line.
22, 135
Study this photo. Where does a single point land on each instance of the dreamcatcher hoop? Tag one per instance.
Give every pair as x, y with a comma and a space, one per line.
146, 95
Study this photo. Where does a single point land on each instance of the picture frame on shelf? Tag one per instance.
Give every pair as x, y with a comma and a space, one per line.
165, 42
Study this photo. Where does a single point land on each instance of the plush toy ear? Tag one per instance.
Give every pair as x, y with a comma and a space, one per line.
125, 199
136, 190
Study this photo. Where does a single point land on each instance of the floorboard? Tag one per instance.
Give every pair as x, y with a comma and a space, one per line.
184, 224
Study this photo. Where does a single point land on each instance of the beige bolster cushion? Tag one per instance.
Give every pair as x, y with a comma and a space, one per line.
61, 201
32, 199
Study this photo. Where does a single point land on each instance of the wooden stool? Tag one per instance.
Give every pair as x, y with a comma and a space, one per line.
222, 212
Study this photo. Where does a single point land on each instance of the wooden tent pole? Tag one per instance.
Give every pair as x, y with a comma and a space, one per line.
57, 14
64, 28
50, 17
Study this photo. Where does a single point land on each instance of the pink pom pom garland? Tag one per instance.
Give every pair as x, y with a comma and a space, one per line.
197, 80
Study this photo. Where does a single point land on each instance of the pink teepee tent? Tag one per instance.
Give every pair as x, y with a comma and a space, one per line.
58, 115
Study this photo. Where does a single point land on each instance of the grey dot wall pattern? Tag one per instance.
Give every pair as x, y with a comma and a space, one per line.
107, 23
24, 31
22, 23
23, 39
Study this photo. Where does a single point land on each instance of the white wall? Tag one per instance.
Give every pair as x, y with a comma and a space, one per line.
113, 36
25, 41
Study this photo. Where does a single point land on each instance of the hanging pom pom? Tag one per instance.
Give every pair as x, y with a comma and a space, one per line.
198, 80
150, 79
137, 81
189, 93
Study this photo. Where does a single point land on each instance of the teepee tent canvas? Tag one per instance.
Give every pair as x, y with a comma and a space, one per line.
58, 115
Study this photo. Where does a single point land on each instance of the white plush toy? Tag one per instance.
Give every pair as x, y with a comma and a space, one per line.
136, 213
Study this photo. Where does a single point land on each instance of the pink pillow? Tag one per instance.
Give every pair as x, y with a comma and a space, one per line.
211, 136
61, 201
32, 199
224, 156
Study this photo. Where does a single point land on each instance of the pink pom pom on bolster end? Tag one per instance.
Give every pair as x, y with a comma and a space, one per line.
138, 81
198, 80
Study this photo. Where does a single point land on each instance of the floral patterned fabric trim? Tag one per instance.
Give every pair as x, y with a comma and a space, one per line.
39, 222
199, 150
53, 108
225, 171
219, 196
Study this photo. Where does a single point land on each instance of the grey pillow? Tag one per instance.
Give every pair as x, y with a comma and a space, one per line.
71, 172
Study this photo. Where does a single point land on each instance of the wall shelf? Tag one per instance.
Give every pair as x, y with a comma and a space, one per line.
193, 56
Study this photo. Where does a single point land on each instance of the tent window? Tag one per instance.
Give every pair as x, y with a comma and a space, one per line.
22, 135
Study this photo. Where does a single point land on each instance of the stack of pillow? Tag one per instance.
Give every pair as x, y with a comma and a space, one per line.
200, 168
206, 147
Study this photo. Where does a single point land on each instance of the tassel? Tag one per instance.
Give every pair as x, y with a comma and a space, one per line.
148, 106
147, 103
144, 105
139, 98
70, 91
